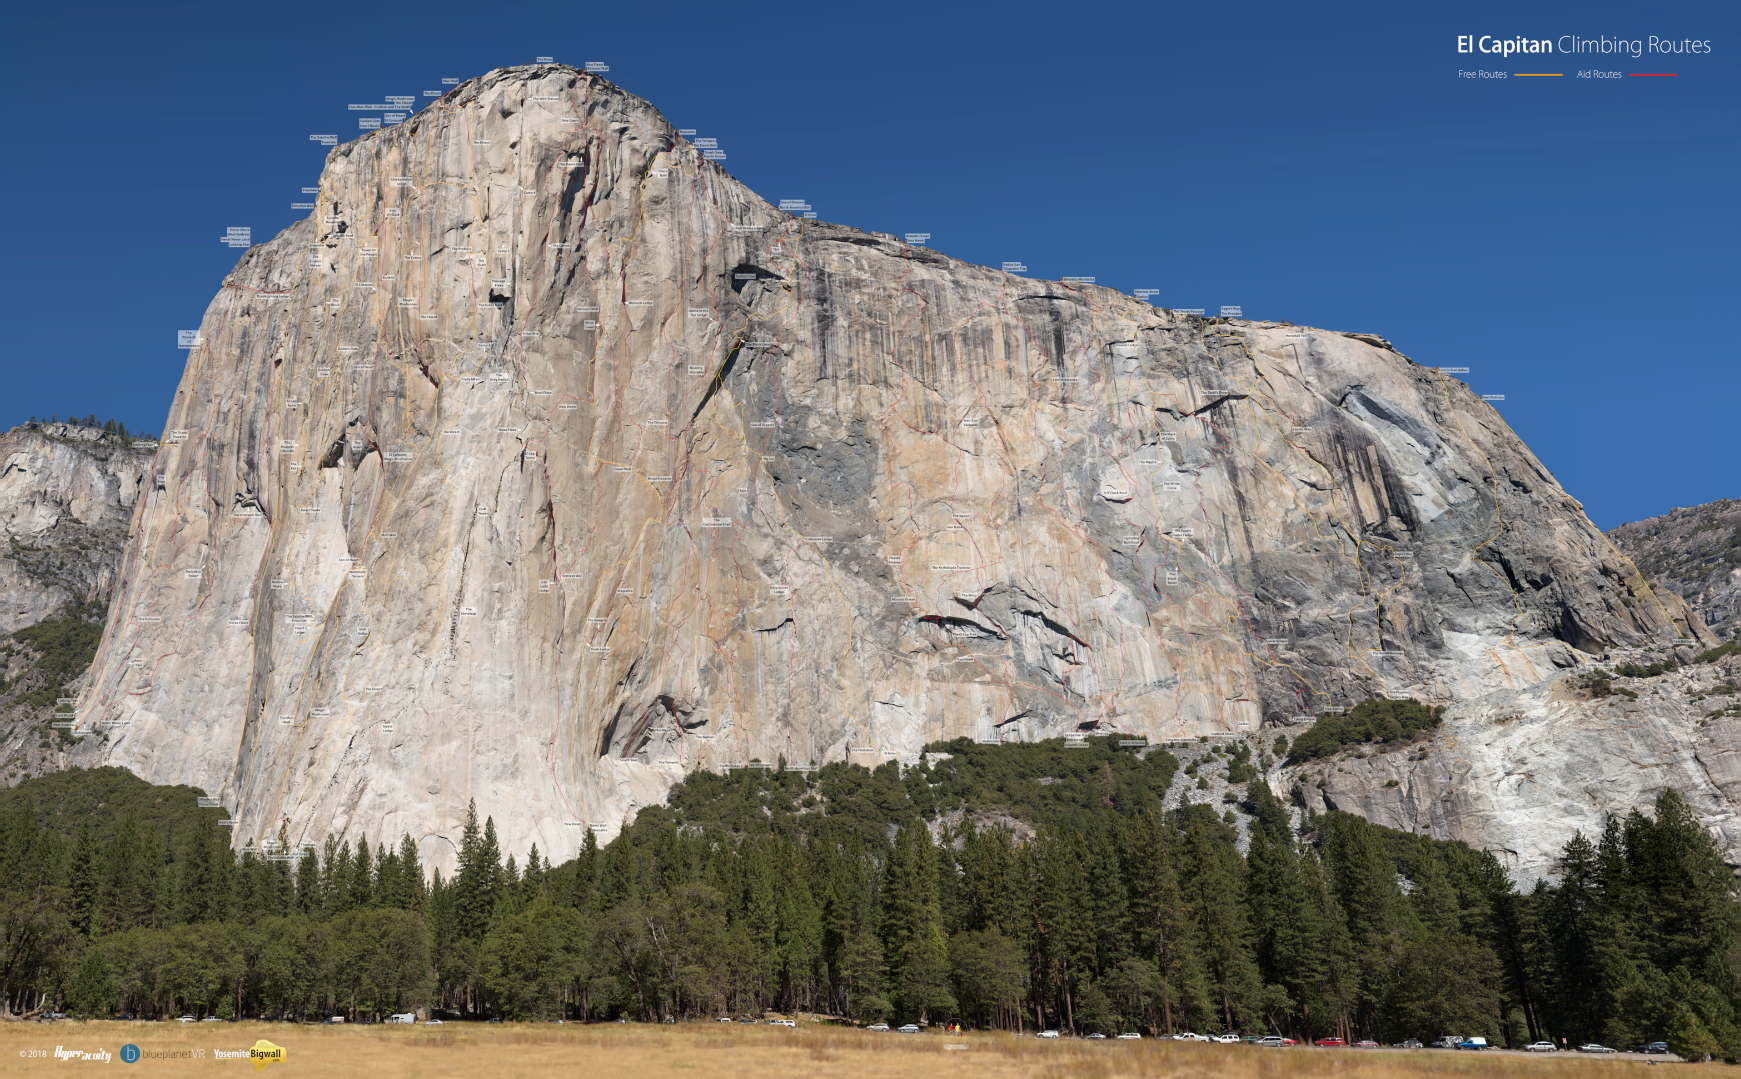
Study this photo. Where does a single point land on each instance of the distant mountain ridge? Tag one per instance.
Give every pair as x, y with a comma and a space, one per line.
1695, 552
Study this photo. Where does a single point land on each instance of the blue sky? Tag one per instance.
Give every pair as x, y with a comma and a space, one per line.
1572, 241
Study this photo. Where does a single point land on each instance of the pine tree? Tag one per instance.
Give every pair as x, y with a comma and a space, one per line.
412, 894
308, 896
532, 884
585, 872
387, 893
362, 882
92, 992
1377, 915
475, 885
1211, 878
916, 951
335, 878
1433, 898
1165, 931
84, 883
127, 890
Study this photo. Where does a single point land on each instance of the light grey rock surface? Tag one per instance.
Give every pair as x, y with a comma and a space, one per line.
546, 462
67, 495
1517, 771
66, 499
1695, 552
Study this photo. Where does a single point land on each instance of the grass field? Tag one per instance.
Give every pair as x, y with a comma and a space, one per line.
708, 1051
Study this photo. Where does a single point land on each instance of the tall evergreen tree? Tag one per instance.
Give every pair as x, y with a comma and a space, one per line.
84, 883
362, 882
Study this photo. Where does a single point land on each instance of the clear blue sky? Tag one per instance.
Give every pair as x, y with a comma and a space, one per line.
1572, 241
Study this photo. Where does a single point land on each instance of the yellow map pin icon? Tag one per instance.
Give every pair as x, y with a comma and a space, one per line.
264, 1052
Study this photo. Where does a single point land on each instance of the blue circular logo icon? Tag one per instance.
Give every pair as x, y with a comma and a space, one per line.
129, 1054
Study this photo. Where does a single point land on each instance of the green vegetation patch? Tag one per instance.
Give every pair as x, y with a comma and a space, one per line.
104, 797
1040, 782
1712, 655
1372, 720
1633, 670
65, 647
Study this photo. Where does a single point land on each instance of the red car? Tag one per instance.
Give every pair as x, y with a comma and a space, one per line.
1330, 1043
1367, 1044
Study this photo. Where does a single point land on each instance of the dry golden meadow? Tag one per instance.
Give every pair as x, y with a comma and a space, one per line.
711, 1051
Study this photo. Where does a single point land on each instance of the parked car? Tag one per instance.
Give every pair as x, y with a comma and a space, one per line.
884, 1027
1097, 1034
1187, 1036
1408, 1043
185, 1019
1275, 1041
908, 1028
403, 1017
1366, 1043
1592, 1047
1654, 1047
793, 1023
1449, 1041
207, 1019
1330, 1043
1130, 1036
1047, 1034
1229, 1038
1473, 1043
1541, 1047
432, 1023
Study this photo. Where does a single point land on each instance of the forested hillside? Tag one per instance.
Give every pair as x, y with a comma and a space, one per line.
849, 893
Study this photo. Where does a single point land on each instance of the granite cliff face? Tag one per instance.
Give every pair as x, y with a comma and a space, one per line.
546, 462
67, 495
1694, 551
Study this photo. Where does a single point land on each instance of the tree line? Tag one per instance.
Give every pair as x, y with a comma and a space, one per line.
908, 893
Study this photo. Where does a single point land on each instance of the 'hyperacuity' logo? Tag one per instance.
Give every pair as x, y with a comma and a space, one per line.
101, 1056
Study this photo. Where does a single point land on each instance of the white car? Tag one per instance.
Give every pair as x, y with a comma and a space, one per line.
1187, 1036
1225, 1039
1130, 1036
907, 1028
432, 1023
185, 1019
1102, 1037
786, 1023
725, 1018
884, 1027
1542, 1047
1047, 1034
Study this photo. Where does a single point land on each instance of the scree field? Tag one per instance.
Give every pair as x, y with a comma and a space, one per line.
646, 1052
